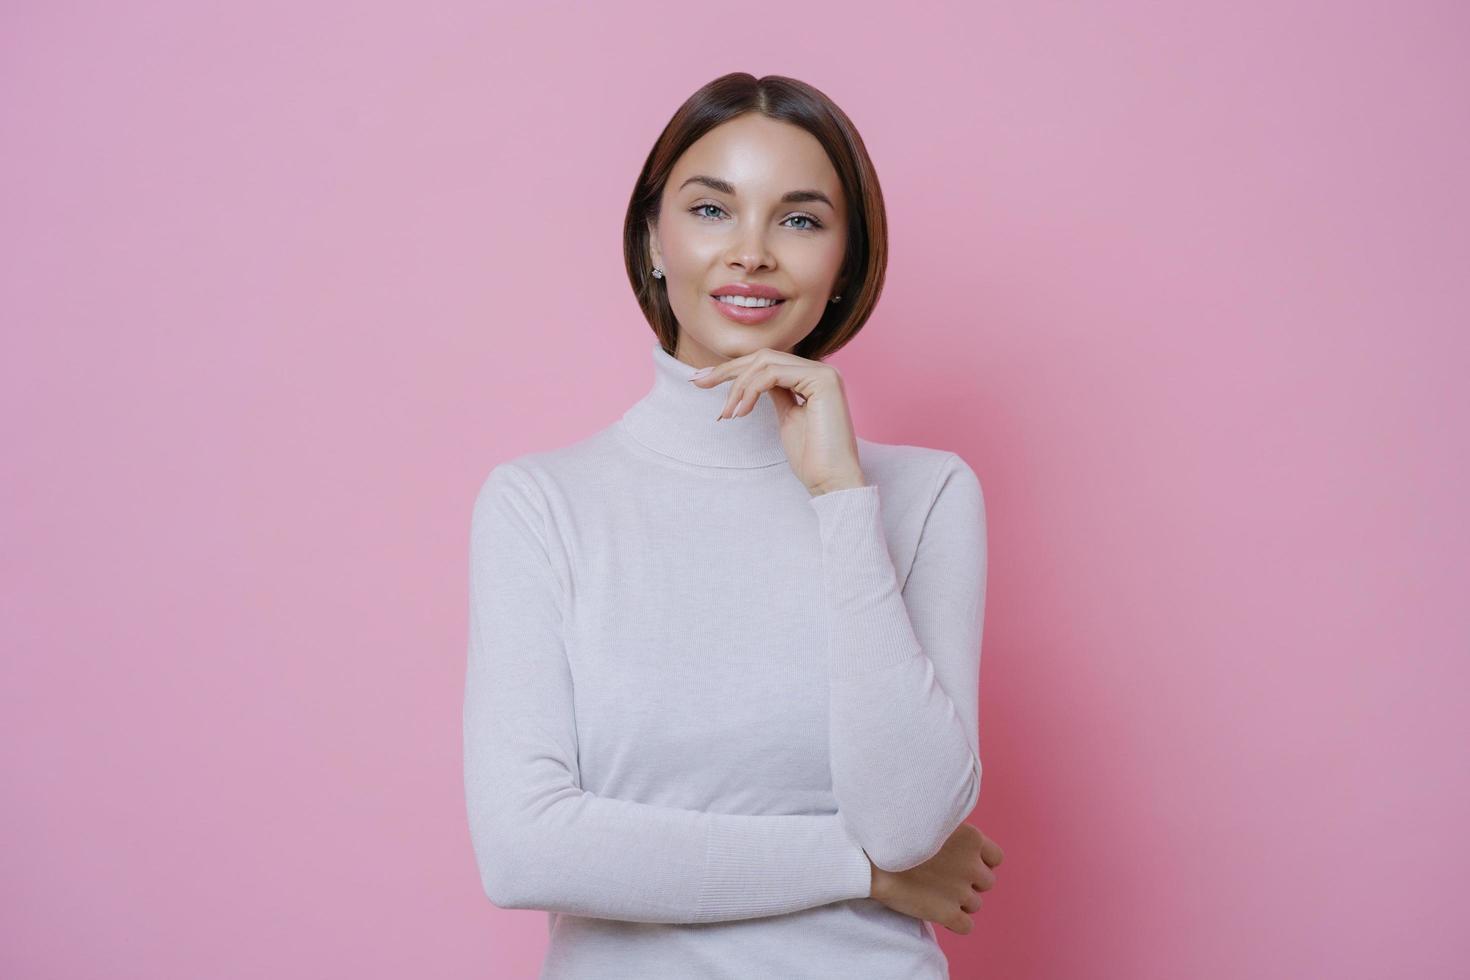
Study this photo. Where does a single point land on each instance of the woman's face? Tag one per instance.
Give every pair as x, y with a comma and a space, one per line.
723, 221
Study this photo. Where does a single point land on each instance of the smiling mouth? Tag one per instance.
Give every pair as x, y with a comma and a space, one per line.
748, 302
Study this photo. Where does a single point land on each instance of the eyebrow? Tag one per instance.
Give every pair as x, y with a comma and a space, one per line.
790, 197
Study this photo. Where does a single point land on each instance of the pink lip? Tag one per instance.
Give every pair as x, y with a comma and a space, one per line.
747, 315
748, 289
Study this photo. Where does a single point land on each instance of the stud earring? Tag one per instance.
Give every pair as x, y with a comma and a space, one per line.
658, 273
835, 299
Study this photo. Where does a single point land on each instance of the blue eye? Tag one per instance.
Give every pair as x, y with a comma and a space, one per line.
813, 223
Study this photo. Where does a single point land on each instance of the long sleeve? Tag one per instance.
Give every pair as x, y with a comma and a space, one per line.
904, 667
540, 840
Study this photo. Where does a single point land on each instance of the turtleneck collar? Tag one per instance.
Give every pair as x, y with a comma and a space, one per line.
677, 418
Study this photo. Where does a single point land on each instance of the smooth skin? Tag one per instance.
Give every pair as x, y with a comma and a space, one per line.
722, 220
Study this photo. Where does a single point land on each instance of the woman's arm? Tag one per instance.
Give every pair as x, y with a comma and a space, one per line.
905, 667
541, 842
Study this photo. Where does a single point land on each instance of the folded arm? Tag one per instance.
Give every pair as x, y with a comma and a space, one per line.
904, 667
542, 842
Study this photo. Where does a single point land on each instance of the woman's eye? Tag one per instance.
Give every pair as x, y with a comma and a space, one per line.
699, 210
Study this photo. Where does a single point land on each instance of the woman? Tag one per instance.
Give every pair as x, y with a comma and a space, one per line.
721, 706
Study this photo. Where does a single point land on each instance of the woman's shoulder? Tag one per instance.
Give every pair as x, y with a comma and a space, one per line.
534, 472
925, 486
915, 468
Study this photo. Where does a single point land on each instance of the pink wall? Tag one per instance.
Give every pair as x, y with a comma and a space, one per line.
1183, 282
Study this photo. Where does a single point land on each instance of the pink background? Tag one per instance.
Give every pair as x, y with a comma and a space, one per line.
1185, 283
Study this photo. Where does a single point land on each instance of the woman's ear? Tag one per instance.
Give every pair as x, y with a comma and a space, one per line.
656, 258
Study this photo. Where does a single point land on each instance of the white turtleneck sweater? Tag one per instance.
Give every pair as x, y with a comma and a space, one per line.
699, 699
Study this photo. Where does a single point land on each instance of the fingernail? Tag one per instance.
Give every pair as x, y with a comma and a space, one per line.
701, 373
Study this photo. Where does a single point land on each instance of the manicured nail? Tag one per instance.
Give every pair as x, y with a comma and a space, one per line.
701, 373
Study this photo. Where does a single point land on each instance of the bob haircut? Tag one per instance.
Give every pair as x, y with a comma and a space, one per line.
792, 101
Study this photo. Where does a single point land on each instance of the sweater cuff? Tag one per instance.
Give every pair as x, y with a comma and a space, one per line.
867, 622
823, 865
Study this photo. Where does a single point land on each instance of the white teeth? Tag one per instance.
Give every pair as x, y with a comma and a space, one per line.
747, 301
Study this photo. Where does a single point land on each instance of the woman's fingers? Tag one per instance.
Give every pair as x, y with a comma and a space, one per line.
750, 374
797, 376
725, 370
990, 852
746, 388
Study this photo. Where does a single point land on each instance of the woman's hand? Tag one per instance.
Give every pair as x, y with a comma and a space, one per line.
816, 430
946, 888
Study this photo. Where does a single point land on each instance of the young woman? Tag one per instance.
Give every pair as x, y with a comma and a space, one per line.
721, 702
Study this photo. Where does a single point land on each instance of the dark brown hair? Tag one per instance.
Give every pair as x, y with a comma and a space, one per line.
786, 99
